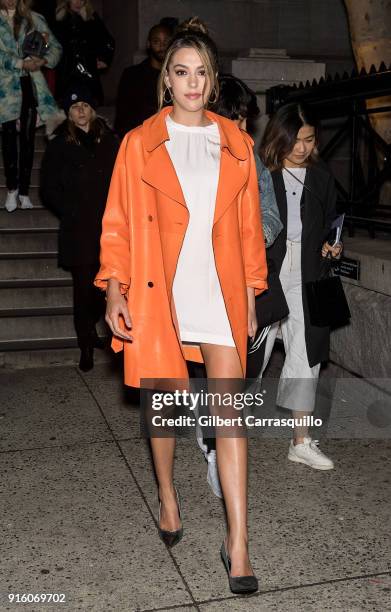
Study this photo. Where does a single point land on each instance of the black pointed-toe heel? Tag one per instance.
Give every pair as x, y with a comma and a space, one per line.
171, 538
238, 584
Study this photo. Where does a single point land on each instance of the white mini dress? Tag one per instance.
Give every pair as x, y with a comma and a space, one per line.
198, 299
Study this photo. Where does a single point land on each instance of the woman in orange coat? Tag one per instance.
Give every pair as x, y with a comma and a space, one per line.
182, 258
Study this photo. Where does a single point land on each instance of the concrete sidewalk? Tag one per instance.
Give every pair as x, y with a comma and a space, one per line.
79, 510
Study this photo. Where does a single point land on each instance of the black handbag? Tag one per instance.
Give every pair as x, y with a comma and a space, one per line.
270, 307
34, 44
327, 302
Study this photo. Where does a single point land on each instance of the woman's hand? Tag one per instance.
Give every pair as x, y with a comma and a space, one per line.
32, 64
101, 65
335, 251
252, 316
116, 307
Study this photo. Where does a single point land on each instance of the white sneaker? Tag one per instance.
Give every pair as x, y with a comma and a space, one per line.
309, 453
25, 202
213, 474
11, 202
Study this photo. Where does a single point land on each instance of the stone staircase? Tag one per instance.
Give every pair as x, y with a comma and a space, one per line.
36, 322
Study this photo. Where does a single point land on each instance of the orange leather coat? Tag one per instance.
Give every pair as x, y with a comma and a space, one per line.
142, 233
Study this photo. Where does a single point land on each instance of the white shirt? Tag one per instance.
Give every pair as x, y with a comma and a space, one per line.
199, 303
294, 190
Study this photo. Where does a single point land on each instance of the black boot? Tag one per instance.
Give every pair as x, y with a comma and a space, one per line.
86, 358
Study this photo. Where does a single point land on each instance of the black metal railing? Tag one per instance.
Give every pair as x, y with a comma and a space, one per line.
344, 98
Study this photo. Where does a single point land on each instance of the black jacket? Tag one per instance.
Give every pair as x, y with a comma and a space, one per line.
318, 207
136, 97
83, 42
74, 184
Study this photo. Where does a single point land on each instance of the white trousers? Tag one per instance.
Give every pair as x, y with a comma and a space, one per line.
298, 381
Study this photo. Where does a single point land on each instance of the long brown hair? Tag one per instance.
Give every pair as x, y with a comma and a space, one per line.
97, 129
192, 34
281, 133
22, 11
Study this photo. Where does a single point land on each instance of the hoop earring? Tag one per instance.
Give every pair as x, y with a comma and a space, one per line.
164, 96
214, 90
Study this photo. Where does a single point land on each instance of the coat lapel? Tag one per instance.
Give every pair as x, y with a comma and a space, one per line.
159, 171
312, 207
231, 180
279, 186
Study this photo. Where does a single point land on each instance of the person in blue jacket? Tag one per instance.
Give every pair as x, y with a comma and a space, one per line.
24, 95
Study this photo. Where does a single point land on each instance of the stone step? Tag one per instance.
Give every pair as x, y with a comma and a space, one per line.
35, 177
27, 242
35, 328
35, 332
36, 297
38, 156
40, 311
28, 283
50, 354
40, 136
14, 269
30, 255
32, 219
34, 197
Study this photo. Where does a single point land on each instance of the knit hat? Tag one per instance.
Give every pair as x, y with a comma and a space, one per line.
78, 93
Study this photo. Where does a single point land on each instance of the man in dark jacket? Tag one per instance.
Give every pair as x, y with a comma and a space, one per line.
137, 91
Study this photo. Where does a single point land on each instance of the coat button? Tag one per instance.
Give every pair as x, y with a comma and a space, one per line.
150, 284
150, 218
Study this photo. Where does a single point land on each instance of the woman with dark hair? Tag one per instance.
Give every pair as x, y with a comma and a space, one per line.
182, 230
88, 47
306, 198
75, 179
24, 95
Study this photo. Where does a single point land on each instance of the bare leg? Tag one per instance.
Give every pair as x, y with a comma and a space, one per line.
300, 432
223, 362
163, 458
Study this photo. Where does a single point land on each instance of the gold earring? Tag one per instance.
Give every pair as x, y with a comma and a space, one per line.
164, 96
214, 90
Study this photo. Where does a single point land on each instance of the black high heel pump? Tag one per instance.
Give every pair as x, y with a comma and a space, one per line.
238, 584
171, 538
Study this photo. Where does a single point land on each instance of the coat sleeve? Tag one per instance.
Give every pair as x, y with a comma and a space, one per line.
254, 255
115, 238
271, 221
54, 51
10, 62
51, 187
